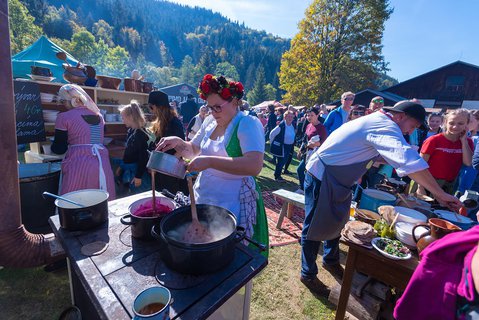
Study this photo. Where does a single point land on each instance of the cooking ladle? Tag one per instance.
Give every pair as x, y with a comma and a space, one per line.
62, 56
62, 198
196, 232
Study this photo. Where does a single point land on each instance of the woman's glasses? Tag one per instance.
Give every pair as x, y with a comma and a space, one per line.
217, 108
378, 101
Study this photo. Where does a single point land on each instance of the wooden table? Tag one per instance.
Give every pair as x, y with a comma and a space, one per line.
395, 273
104, 286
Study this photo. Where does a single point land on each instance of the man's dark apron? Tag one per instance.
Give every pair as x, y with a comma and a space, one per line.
332, 209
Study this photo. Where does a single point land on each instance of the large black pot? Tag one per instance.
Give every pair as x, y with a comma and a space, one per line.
35, 178
198, 258
94, 213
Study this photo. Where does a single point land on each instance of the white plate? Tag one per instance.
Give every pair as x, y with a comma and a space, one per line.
384, 253
410, 215
450, 216
40, 78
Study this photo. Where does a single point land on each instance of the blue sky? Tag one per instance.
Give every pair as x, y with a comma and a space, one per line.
421, 35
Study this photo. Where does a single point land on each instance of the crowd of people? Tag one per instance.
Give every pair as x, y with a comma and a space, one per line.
224, 140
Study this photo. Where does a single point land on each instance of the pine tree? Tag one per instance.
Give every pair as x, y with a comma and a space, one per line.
187, 71
258, 93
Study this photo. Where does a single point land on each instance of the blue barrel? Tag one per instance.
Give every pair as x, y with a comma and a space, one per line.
372, 199
35, 178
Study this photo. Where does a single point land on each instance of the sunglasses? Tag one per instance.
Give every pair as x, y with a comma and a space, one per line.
348, 99
217, 109
378, 101
357, 113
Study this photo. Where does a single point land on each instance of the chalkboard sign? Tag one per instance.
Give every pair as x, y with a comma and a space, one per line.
28, 110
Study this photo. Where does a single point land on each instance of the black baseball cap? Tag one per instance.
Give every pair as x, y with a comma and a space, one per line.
412, 109
158, 98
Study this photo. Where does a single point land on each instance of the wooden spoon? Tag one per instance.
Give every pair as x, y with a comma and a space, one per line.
394, 221
153, 190
63, 56
196, 232
404, 200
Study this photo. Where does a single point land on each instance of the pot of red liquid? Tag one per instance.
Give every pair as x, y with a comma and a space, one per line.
142, 217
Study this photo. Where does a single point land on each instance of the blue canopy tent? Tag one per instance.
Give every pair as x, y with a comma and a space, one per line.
41, 54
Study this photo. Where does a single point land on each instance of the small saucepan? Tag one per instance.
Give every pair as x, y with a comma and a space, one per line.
167, 164
141, 220
93, 214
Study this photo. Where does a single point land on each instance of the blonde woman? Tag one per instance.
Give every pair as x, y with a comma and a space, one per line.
446, 152
79, 133
133, 168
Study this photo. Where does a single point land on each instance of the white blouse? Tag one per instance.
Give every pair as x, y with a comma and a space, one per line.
363, 139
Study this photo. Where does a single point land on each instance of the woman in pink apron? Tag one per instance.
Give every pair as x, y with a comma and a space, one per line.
79, 133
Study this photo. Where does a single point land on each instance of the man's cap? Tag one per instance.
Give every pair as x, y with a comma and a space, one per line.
412, 109
158, 98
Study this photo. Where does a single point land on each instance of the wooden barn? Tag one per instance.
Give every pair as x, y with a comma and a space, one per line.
452, 86
364, 97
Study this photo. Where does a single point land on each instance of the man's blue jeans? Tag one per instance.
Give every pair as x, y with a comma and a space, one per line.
310, 248
301, 175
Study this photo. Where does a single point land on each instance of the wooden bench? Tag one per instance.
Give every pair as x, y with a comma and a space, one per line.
290, 199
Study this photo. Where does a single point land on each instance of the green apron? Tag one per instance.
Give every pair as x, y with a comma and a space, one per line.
260, 234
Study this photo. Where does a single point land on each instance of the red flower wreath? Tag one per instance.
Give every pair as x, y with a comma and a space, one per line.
219, 85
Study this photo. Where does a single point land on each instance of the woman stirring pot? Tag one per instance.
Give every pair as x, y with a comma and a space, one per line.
227, 151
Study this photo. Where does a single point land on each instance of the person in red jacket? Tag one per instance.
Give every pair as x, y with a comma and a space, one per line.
446, 152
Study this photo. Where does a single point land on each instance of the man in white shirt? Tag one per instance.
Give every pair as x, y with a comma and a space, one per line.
340, 161
282, 142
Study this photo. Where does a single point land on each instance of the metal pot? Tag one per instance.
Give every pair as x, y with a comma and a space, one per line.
92, 215
198, 258
141, 226
41, 71
167, 164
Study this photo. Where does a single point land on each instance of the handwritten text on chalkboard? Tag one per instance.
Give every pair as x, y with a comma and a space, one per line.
28, 110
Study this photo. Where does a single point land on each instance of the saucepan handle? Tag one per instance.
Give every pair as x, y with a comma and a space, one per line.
126, 222
240, 234
260, 246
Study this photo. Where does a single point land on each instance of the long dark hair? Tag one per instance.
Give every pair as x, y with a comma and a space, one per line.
164, 116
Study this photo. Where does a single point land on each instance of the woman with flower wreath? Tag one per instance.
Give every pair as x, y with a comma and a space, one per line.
227, 151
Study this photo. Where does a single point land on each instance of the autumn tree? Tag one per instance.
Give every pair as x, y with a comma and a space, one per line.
23, 31
338, 48
83, 45
102, 30
228, 70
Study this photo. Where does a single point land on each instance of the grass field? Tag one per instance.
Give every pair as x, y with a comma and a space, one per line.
277, 291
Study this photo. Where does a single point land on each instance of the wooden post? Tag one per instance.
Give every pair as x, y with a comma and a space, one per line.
346, 285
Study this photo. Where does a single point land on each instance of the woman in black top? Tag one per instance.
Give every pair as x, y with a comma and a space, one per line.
166, 124
133, 169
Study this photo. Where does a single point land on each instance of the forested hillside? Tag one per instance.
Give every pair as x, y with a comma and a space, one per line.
168, 42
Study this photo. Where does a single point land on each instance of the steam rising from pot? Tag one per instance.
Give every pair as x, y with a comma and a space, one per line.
219, 227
